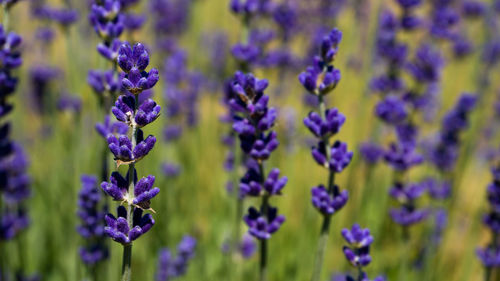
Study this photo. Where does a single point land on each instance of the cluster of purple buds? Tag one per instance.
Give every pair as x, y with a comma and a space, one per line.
10, 59
182, 91
65, 17
392, 52
14, 182
490, 255
409, 21
358, 250
445, 152
91, 212
130, 223
445, 23
250, 8
169, 267
319, 80
406, 195
425, 68
250, 50
474, 9
107, 20
253, 121
168, 29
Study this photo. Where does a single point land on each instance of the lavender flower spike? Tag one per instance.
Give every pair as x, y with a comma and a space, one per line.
91, 213
319, 80
253, 122
135, 195
133, 61
357, 252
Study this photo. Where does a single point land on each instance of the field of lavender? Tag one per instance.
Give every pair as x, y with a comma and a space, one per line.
250, 140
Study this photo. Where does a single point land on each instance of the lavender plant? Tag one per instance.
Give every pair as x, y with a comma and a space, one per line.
319, 80
14, 180
357, 252
490, 254
134, 195
91, 213
253, 122
169, 267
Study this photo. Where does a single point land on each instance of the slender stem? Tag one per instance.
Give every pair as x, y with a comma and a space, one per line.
6, 21
360, 274
127, 249
263, 242
325, 227
127, 262
487, 274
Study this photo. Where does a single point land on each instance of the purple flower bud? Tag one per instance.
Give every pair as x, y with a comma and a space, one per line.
405, 217
327, 203
262, 226
325, 128
144, 192
371, 152
91, 228
359, 240
118, 229
391, 110
134, 61
147, 113
117, 187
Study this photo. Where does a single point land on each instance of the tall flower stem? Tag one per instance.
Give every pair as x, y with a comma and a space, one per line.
263, 242
325, 227
127, 262
127, 249
6, 11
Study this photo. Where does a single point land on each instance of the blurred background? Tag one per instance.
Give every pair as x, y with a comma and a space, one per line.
190, 43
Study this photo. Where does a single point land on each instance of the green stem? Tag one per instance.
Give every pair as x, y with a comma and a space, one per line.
127, 249
127, 262
263, 242
6, 10
325, 227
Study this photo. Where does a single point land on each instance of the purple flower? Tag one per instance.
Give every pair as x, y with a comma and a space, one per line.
319, 81
108, 127
247, 246
118, 229
327, 203
109, 50
170, 170
107, 20
117, 187
473, 8
91, 228
69, 103
64, 17
359, 240
103, 82
168, 267
406, 217
371, 152
144, 192
263, 226
437, 189
427, 65
391, 110
124, 110
490, 257
325, 128
340, 157
121, 147
134, 61
401, 157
